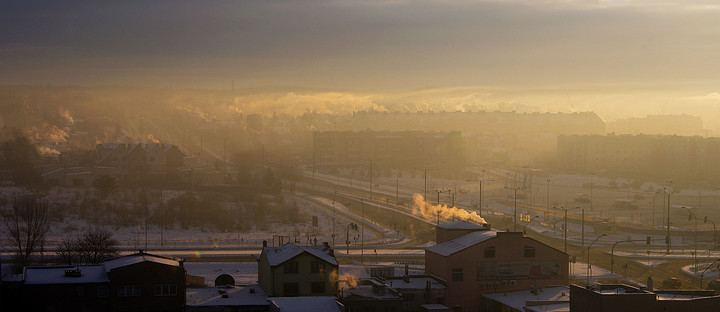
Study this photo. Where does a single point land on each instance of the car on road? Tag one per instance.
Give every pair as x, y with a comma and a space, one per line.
671, 283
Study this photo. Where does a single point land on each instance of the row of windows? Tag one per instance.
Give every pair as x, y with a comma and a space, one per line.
132, 290
528, 252
315, 267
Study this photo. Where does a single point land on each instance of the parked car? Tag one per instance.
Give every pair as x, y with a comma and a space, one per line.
671, 283
714, 284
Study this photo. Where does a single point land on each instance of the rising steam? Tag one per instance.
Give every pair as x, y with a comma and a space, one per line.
428, 211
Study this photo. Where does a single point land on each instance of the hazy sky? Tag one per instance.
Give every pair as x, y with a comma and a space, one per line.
364, 45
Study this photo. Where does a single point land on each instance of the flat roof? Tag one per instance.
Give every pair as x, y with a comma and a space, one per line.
241, 295
89, 274
306, 304
518, 299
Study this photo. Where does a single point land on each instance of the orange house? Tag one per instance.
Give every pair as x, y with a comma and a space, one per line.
476, 260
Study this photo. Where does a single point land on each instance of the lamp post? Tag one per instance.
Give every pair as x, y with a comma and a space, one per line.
333, 219
668, 239
588, 258
526, 224
706, 220
691, 215
481, 189
347, 236
565, 210
547, 198
703, 273
515, 189
592, 175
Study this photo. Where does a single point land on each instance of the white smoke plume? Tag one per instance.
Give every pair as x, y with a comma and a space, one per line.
423, 208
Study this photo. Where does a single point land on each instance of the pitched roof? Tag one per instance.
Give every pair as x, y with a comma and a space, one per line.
462, 225
278, 255
452, 246
56, 275
138, 258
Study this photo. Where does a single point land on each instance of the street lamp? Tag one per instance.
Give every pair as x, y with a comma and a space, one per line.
526, 224
515, 189
668, 192
691, 215
588, 258
565, 225
703, 272
347, 236
547, 198
706, 220
480, 202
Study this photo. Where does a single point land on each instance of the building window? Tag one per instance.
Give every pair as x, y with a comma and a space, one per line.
490, 252
317, 267
291, 267
457, 275
317, 287
102, 291
166, 290
129, 291
81, 291
529, 252
291, 290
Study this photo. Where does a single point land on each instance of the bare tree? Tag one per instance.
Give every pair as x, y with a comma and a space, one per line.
67, 251
93, 246
27, 224
96, 245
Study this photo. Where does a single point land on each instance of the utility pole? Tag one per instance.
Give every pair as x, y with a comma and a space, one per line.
362, 234
397, 192
161, 216
582, 240
371, 183
480, 201
591, 190
425, 194
668, 239
547, 199
515, 189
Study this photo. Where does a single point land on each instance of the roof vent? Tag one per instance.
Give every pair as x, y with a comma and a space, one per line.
73, 272
252, 290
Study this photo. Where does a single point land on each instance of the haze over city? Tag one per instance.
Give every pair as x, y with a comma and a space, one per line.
359, 155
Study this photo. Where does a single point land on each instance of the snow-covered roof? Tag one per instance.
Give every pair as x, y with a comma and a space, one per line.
236, 296
138, 258
519, 299
306, 304
278, 255
369, 291
462, 225
56, 275
414, 282
452, 246
434, 307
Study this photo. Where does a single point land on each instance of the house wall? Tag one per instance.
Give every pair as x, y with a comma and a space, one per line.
514, 271
147, 275
265, 278
305, 277
60, 297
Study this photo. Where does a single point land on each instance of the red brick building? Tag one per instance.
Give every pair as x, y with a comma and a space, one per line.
137, 282
475, 260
